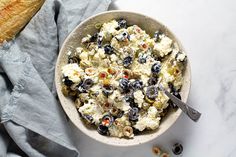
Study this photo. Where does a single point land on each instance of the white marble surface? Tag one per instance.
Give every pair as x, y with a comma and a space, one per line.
207, 29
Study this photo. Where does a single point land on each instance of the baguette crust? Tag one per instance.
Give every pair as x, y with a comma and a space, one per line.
14, 15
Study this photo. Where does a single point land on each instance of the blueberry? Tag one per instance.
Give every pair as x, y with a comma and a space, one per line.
142, 59
129, 98
94, 37
120, 114
152, 92
87, 83
157, 36
103, 130
122, 36
173, 90
152, 81
88, 118
133, 114
108, 49
171, 86
107, 90
67, 81
137, 84
81, 89
176, 94
122, 24
177, 148
156, 68
126, 35
127, 61
99, 41
124, 84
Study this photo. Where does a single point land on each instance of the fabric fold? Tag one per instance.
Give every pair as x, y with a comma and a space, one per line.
30, 113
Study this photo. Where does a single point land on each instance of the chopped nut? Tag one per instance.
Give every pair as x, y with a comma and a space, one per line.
111, 71
107, 106
128, 131
156, 150
106, 82
114, 111
165, 155
135, 75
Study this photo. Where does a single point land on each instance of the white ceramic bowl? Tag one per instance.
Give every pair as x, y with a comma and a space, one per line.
150, 25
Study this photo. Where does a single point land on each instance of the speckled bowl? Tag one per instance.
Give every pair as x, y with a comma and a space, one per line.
73, 41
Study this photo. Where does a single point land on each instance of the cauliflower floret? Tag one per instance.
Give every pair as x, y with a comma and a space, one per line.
92, 109
138, 98
91, 53
118, 101
101, 53
123, 106
109, 29
145, 79
147, 122
116, 131
96, 57
164, 46
95, 90
144, 69
115, 44
105, 63
114, 58
152, 112
83, 55
180, 57
115, 96
73, 72
150, 42
161, 101
118, 127
168, 77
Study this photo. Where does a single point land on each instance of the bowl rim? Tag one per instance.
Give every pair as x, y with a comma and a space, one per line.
178, 112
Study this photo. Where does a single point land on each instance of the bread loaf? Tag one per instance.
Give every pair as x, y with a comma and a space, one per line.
14, 15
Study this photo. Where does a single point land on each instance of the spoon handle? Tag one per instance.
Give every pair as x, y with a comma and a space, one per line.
191, 113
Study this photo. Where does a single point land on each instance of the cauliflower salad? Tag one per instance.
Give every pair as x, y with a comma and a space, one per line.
113, 78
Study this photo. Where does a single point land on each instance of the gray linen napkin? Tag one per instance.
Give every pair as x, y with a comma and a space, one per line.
32, 121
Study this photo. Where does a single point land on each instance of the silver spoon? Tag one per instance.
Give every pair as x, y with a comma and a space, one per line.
191, 113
